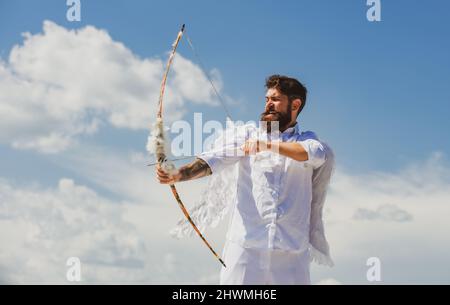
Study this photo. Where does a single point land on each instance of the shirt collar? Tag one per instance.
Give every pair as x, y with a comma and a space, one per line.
283, 135
291, 130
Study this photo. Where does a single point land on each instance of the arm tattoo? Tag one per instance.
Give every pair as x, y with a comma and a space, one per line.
194, 170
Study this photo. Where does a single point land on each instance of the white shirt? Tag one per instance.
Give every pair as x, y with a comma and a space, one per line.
274, 192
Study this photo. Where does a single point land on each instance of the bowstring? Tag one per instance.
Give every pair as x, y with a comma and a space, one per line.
202, 67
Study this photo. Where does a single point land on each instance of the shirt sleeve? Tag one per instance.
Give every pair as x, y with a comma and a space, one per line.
226, 152
320, 250
217, 161
316, 152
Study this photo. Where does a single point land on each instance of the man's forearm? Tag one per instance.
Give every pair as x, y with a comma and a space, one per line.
291, 150
194, 170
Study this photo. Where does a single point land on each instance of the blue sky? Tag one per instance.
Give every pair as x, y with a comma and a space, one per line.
378, 90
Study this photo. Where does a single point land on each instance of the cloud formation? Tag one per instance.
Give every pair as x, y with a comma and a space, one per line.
405, 224
42, 228
387, 212
127, 240
116, 241
61, 84
121, 240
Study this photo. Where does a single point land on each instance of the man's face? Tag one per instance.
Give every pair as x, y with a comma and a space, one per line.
277, 108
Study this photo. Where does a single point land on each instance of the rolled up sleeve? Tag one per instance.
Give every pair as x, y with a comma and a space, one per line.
316, 152
217, 161
226, 152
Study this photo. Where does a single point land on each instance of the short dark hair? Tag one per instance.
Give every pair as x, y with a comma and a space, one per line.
288, 86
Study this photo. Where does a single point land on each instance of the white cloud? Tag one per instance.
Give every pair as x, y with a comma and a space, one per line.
127, 240
60, 84
116, 241
121, 240
387, 212
412, 251
409, 230
41, 228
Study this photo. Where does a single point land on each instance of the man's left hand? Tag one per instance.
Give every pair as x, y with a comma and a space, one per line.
252, 147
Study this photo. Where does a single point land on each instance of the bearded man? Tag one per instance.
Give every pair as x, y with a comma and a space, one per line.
276, 225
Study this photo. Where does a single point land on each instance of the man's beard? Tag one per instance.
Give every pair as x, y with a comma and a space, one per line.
283, 119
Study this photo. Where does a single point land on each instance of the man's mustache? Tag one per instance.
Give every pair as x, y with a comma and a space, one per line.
271, 112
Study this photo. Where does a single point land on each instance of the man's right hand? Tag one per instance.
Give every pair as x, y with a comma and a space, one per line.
194, 170
165, 178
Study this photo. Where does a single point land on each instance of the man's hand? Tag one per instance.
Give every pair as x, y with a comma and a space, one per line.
194, 170
166, 178
252, 147
292, 150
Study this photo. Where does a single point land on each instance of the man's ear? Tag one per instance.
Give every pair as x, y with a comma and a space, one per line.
296, 104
